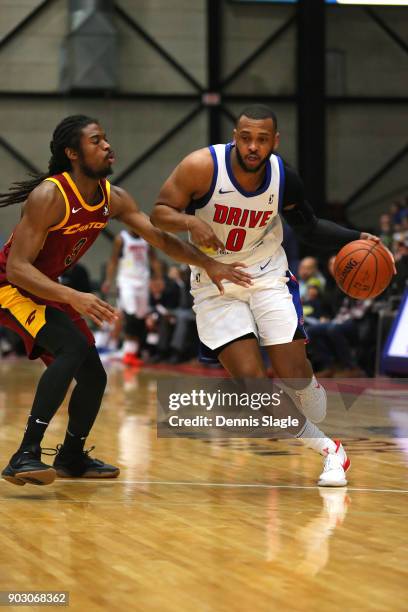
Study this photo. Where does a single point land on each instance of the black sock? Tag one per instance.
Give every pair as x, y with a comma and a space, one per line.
34, 432
73, 444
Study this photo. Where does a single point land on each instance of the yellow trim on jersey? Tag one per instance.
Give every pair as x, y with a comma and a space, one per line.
30, 315
108, 193
67, 207
80, 198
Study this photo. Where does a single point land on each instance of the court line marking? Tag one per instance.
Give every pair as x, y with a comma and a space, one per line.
218, 484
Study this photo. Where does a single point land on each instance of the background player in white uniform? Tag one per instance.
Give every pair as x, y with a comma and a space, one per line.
233, 195
131, 260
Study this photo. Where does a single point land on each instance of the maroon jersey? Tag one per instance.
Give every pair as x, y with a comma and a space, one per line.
71, 238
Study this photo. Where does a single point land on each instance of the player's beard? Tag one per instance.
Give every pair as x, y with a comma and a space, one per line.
90, 172
256, 168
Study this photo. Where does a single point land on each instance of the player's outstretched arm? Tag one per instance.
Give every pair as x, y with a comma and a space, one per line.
44, 209
321, 233
125, 209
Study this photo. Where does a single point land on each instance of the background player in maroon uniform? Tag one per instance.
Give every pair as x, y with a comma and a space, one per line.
65, 211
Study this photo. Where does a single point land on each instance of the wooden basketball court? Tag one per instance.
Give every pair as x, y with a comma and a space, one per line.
202, 526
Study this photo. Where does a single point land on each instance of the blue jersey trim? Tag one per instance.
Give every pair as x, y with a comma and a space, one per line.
293, 287
201, 202
247, 194
281, 182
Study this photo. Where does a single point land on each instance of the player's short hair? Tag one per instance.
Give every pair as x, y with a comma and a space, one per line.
258, 111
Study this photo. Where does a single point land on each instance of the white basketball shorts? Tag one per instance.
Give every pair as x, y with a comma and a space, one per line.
270, 308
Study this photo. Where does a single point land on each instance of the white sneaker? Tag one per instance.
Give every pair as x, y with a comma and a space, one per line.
335, 467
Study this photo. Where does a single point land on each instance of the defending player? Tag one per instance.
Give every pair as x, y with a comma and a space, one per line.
65, 211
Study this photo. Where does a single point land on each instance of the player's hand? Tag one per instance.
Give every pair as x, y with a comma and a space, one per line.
218, 271
366, 236
203, 235
93, 307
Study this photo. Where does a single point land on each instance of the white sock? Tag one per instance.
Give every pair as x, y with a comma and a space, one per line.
312, 437
313, 401
130, 346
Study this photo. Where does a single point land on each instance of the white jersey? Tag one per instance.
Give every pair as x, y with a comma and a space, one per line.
247, 223
134, 261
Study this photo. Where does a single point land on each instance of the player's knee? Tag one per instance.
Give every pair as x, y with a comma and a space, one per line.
251, 372
92, 372
97, 375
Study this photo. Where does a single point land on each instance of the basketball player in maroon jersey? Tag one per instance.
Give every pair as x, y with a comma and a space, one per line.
234, 195
64, 212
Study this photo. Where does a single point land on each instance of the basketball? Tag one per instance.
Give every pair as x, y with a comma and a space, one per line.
363, 269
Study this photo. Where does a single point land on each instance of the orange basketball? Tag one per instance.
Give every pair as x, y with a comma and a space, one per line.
363, 269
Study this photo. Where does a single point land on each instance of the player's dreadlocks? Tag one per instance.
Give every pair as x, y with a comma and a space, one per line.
66, 134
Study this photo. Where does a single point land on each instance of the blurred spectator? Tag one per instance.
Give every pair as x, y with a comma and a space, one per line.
312, 304
398, 239
308, 273
400, 280
332, 343
175, 274
385, 230
332, 296
404, 224
164, 299
184, 341
398, 212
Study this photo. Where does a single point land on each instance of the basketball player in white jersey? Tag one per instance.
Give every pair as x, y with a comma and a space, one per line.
234, 195
130, 260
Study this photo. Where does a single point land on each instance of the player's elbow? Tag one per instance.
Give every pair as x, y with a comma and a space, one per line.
304, 233
13, 272
157, 239
156, 217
